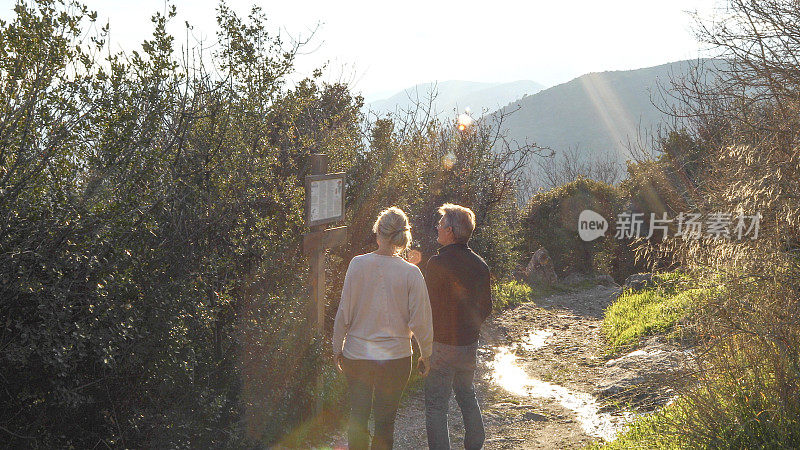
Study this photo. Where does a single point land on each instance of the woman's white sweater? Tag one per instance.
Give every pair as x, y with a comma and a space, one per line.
384, 301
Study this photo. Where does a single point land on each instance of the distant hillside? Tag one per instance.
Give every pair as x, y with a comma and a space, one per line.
455, 96
596, 112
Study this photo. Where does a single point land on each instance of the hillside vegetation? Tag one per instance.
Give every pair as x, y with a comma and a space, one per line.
738, 153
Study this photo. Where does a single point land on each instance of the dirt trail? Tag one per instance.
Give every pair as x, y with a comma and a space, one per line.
539, 365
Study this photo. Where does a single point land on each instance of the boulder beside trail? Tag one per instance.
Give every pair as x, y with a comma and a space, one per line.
639, 281
540, 269
641, 376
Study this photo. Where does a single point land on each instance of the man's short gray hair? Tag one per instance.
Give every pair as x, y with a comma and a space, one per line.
460, 218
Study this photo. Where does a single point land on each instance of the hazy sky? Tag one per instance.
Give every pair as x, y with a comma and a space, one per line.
381, 47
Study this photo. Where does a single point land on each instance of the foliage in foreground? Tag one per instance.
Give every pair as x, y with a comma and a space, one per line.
743, 127
652, 431
151, 279
152, 282
722, 413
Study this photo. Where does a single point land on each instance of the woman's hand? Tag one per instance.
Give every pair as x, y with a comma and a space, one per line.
424, 366
337, 362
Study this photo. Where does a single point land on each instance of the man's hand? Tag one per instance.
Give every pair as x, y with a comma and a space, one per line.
414, 256
424, 366
337, 362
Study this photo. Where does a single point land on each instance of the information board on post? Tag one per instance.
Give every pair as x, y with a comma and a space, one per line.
324, 198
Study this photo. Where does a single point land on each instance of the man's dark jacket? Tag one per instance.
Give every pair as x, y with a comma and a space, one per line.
458, 286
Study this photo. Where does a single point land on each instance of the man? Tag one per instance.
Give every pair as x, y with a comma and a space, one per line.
458, 287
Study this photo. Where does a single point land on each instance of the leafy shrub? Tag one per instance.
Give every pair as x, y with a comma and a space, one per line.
508, 294
742, 157
551, 221
151, 281
420, 167
728, 410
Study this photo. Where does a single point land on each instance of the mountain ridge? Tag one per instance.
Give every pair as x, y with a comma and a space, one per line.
596, 112
453, 96
596, 116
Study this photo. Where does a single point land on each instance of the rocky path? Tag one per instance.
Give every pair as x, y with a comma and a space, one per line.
540, 373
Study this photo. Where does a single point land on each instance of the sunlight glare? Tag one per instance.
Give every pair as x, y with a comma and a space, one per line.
464, 121
616, 118
536, 339
510, 376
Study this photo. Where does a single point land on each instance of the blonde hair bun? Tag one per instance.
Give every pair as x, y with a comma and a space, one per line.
392, 224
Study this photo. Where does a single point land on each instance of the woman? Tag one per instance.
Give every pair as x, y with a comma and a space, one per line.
384, 301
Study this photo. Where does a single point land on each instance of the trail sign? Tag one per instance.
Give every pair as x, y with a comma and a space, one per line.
324, 198
324, 204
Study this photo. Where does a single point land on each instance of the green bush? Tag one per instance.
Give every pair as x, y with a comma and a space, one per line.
551, 221
747, 393
653, 186
152, 287
723, 412
508, 294
403, 166
740, 154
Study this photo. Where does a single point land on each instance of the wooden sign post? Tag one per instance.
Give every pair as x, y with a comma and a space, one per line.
324, 204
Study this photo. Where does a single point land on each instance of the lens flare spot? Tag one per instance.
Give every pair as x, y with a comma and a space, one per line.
464, 121
448, 160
